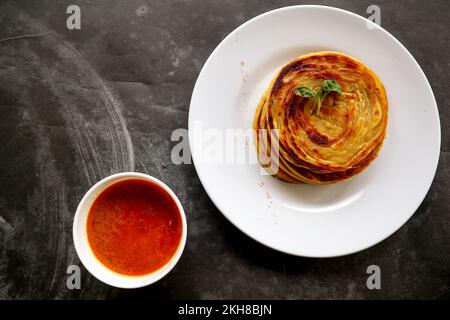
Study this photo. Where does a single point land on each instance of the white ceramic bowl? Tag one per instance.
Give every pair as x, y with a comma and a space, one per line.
84, 251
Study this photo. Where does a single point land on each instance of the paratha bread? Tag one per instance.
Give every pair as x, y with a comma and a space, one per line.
334, 144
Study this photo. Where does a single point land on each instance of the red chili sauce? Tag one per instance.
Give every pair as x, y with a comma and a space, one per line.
134, 227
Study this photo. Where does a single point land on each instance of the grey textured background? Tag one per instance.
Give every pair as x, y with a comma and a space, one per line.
76, 106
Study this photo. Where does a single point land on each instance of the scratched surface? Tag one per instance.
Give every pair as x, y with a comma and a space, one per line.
76, 106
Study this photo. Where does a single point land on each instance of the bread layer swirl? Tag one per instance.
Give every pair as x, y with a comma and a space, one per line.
334, 144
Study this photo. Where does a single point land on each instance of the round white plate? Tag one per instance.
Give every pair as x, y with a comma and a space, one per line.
308, 220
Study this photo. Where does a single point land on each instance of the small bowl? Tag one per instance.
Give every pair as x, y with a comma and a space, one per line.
85, 253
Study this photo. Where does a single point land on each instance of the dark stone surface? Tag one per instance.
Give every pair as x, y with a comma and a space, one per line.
76, 106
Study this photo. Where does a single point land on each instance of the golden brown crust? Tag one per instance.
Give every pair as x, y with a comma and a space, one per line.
340, 141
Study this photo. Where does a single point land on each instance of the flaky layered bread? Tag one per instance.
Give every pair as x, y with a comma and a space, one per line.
334, 144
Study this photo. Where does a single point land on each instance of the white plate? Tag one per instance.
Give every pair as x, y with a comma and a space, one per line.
307, 220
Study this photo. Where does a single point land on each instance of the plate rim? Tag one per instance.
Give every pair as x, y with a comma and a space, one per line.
354, 15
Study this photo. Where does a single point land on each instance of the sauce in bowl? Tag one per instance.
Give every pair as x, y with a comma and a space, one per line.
134, 227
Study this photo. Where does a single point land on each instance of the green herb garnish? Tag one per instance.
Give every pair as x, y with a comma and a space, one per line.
327, 87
